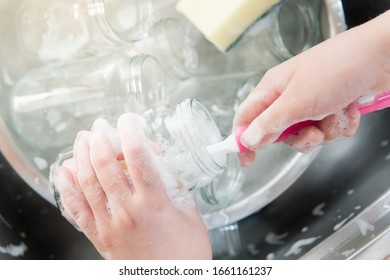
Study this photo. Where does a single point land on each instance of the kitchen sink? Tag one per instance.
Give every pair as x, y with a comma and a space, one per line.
333, 203
338, 209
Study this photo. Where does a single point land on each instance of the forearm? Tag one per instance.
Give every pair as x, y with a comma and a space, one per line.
378, 31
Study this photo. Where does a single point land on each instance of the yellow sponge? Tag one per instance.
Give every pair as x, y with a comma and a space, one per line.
223, 21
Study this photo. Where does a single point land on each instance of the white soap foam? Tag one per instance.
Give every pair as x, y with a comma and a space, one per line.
131, 128
364, 226
41, 163
296, 248
270, 256
275, 239
318, 210
102, 125
59, 41
61, 126
252, 249
14, 250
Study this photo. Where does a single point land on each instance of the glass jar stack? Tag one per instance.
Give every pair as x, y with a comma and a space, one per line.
101, 58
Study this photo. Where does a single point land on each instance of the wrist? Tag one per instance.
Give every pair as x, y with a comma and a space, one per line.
378, 43
383, 38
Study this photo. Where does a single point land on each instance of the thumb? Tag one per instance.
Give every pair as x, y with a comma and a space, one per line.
270, 124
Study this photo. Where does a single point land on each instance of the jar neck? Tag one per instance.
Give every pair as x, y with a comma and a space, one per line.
195, 128
294, 29
142, 83
226, 187
123, 21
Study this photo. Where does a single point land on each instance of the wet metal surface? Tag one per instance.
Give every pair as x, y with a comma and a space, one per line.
344, 180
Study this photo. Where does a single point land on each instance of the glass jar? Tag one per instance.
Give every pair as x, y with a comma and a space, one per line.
226, 188
169, 43
49, 105
64, 29
181, 136
221, 95
289, 28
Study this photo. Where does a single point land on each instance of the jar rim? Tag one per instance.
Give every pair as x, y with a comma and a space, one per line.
189, 112
144, 21
304, 12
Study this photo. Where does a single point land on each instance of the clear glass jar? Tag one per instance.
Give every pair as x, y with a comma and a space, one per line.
182, 136
49, 105
221, 95
64, 29
226, 188
169, 43
289, 28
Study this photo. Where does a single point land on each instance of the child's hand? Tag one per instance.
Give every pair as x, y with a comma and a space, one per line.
127, 214
318, 84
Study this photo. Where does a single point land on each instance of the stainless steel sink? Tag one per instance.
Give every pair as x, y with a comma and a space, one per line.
338, 208
283, 166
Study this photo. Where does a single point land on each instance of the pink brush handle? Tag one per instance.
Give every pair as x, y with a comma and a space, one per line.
294, 129
380, 102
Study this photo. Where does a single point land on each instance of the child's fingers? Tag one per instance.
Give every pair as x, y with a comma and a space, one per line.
87, 178
74, 206
145, 171
109, 172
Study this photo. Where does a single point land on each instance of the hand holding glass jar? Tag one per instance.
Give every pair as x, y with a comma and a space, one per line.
116, 205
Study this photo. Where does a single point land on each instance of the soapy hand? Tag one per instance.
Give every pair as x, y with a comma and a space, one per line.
123, 208
319, 84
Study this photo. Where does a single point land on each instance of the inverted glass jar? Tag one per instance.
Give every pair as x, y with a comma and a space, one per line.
49, 105
182, 136
289, 28
64, 29
221, 95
